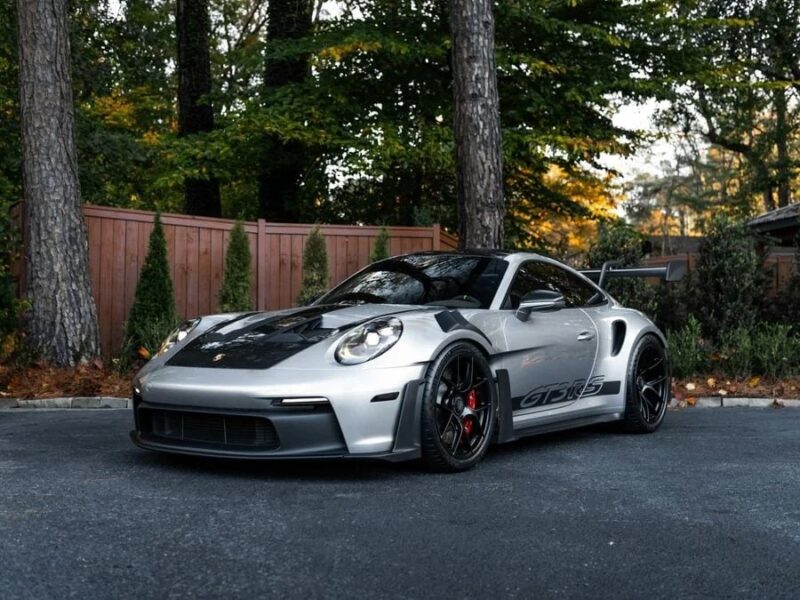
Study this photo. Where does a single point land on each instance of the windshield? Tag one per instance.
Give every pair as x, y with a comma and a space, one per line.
451, 280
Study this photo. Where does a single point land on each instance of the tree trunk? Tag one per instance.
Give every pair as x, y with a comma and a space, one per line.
284, 162
62, 322
478, 152
782, 131
195, 112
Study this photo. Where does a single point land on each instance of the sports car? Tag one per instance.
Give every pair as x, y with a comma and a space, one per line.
433, 356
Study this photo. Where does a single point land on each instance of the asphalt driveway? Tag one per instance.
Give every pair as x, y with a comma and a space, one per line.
707, 507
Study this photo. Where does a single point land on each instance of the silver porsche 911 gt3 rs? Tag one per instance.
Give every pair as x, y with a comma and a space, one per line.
431, 355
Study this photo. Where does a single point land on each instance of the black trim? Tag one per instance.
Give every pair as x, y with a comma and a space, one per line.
386, 397
538, 429
452, 320
409, 426
505, 423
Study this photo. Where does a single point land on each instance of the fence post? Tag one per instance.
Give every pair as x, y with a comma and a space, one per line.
437, 238
261, 271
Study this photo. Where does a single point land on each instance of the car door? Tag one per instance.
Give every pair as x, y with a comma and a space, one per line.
551, 354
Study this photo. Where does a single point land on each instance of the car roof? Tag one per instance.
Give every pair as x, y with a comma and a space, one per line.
502, 254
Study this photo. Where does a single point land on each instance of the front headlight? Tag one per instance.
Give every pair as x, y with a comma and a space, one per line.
178, 335
369, 340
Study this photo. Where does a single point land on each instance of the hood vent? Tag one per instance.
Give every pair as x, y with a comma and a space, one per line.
257, 343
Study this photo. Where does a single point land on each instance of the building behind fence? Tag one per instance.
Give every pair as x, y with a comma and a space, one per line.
196, 247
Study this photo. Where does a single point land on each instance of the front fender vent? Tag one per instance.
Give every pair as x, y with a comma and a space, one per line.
618, 330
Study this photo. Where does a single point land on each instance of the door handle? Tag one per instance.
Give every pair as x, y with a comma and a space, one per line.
585, 336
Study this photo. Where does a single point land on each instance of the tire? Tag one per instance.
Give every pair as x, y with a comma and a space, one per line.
649, 386
457, 424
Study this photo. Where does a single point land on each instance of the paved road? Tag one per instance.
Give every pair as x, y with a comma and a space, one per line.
707, 507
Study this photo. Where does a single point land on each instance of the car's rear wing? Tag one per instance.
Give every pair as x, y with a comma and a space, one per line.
674, 270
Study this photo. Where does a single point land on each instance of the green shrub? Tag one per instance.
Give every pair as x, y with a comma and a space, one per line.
152, 315
380, 251
315, 268
727, 284
687, 349
234, 294
776, 351
735, 353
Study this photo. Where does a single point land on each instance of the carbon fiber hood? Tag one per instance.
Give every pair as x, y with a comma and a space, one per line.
262, 340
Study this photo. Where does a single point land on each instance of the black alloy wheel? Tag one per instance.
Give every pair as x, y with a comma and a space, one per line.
649, 386
459, 409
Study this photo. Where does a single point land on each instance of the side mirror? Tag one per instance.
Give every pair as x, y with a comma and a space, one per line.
539, 301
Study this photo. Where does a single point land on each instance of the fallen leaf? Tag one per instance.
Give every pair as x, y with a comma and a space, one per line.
722, 392
754, 381
711, 382
143, 353
691, 401
691, 387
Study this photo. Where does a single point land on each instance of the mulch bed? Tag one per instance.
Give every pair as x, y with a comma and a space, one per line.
43, 381
752, 387
94, 379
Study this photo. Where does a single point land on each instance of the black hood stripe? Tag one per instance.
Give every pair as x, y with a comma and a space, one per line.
264, 342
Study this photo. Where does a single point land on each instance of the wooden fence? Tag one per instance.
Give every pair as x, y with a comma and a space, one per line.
196, 247
779, 265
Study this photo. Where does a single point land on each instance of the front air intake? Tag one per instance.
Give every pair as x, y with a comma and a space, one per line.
221, 430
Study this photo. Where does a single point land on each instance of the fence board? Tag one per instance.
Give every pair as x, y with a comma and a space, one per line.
196, 248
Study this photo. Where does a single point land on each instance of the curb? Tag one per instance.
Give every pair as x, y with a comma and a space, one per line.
723, 402
123, 403
79, 402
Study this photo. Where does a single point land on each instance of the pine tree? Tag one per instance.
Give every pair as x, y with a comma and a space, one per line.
315, 268
62, 320
380, 251
152, 315
234, 295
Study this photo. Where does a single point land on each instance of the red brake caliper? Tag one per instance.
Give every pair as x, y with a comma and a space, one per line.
472, 403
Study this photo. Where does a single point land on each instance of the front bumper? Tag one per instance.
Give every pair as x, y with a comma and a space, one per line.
270, 431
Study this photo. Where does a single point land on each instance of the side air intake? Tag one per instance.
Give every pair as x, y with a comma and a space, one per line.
618, 330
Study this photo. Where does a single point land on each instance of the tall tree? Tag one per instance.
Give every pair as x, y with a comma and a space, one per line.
283, 161
476, 124
62, 321
195, 112
749, 106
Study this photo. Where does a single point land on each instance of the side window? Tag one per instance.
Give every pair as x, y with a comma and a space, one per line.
535, 276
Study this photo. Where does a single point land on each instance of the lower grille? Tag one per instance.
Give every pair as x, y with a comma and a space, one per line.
234, 431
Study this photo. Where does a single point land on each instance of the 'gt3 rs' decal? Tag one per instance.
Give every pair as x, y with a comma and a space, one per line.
559, 393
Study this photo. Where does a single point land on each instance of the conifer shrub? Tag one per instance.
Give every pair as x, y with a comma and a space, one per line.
315, 269
380, 251
727, 286
234, 294
152, 316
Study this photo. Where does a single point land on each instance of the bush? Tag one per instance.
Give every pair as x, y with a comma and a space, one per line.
234, 295
727, 285
380, 251
152, 315
315, 269
687, 349
776, 351
735, 355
